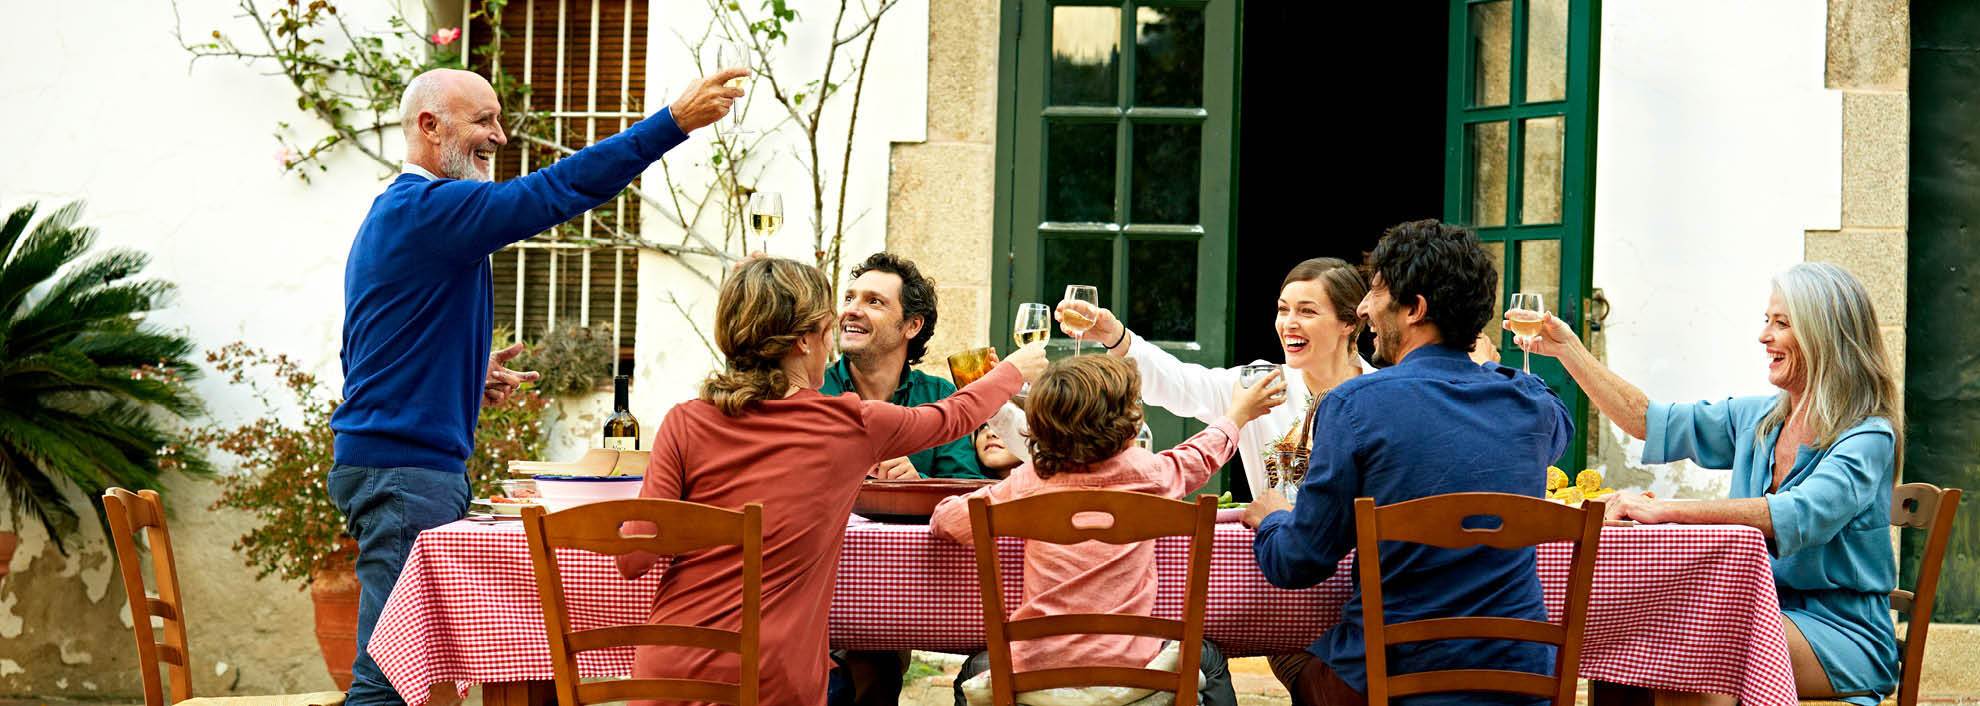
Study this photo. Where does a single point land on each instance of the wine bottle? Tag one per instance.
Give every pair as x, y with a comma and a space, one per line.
622, 429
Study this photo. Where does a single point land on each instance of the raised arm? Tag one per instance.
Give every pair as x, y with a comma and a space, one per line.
898, 431
1184, 389
1621, 401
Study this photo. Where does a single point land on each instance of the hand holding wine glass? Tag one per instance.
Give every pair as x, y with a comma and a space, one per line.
1552, 337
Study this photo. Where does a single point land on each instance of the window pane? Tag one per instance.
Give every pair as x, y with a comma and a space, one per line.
1485, 184
1540, 171
1498, 252
1168, 56
1162, 284
1491, 53
1540, 270
1075, 260
1546, 50
1167, 160
1086, 51
1079, 172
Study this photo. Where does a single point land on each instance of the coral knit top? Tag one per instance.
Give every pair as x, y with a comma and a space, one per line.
803, 457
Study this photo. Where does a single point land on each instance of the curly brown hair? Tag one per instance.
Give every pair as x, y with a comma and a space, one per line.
762, 311
1083, 410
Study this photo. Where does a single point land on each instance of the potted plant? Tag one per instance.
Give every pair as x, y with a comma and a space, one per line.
285, 461
87, 387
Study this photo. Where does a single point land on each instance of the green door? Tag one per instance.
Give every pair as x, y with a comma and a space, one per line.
1519, 158
1115, 128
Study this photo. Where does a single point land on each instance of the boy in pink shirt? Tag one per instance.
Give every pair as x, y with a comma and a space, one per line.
1083, 413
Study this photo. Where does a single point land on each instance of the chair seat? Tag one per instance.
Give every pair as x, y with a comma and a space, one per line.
321, 698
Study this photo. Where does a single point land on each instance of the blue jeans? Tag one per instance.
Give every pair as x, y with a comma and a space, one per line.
385, 509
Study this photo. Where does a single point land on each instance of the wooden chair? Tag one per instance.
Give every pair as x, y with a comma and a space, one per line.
683, 527
130, 513
1136, 517
1917, 506
1438, 521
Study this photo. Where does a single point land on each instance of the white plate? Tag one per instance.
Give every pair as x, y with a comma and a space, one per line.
1230, 514
504, 509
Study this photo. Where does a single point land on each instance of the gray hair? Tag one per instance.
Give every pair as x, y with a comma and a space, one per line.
1849, 375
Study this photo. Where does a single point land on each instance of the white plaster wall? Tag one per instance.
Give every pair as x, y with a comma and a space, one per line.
177, 161
1717, 147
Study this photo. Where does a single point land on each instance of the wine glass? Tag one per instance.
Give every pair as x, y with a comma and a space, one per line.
1527, 313
1145, 438
1078, 321
1034, 324
729, 55
764, 215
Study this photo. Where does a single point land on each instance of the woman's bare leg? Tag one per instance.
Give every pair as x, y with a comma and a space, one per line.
1810, 679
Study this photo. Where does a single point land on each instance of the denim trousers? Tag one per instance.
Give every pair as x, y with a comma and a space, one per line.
386, 509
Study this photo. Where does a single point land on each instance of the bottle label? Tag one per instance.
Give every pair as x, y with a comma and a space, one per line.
622, 443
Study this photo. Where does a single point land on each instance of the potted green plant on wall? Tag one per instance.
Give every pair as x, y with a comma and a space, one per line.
285, 457
87, 386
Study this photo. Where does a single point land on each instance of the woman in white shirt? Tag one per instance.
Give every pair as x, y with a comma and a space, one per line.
1317, 329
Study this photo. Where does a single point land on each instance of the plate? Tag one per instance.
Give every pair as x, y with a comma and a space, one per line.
1229, 514
910, 500
502, 509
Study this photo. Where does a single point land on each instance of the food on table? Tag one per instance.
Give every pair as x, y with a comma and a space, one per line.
1224, 501
1587, 484
503, 500
1556, 479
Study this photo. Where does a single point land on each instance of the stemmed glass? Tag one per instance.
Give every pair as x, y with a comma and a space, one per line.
1527, 313
1079, 320
764, 215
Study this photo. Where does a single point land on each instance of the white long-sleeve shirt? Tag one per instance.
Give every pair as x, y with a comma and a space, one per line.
1197, 392
1204, 394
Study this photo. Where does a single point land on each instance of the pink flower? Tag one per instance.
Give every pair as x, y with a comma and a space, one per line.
446, 36
286, 157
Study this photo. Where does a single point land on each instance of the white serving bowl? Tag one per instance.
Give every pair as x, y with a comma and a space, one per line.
559, 492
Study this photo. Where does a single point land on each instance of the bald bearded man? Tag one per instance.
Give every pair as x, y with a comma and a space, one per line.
419, 317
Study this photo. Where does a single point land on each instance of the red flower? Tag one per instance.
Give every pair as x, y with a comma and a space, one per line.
444, 37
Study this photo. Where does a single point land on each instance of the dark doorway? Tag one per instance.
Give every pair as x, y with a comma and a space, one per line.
1941, 402
1341, 135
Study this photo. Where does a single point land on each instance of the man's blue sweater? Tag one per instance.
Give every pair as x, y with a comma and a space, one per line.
419, 302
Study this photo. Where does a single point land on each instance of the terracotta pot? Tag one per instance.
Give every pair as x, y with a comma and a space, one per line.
334, 589
8, 540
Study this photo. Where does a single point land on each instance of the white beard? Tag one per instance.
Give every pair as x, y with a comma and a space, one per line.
459, 164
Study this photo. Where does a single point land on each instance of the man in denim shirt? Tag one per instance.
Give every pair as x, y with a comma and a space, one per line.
1433, 423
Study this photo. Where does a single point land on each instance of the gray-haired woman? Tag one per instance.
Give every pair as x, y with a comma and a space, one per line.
1812, 468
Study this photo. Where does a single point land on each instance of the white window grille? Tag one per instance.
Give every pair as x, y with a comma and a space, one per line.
575, 56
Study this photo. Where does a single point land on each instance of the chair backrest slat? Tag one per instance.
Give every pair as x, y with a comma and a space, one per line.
1475, 628
1153, 679
1067, 517
128, 514
1439, 521
1494, 680
1049, 625
665, 689
619, 527
1927, 507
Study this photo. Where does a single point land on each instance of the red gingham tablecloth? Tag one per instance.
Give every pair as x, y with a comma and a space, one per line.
1686, 608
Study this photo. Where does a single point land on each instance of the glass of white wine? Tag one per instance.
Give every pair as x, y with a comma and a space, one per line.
1034, 324
1078, 320
764, 214
733, 56
1527, 313
1145, 438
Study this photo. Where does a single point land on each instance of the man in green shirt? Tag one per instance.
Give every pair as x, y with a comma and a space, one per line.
885, 321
